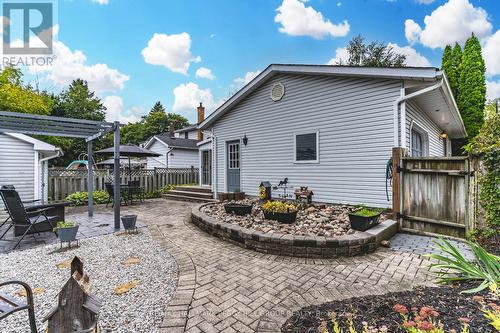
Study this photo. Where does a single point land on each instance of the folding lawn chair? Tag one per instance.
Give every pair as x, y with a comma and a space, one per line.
10, 305
19, 215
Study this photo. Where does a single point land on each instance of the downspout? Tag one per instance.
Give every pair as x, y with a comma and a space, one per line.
43, 160
403, 112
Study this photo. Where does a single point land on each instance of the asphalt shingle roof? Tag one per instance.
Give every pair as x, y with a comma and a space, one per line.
178, 142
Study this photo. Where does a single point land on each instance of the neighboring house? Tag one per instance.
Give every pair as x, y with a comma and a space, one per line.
331, 128
179, 148
24, 164
175, 152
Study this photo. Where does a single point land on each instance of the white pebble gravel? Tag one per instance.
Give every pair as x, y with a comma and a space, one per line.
139, 310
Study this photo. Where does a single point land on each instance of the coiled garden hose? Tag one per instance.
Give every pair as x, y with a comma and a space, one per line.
388, 177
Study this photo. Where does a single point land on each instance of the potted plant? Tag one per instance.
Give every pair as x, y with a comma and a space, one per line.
282, 212
129, 221
364, 218
66, 230
238, 208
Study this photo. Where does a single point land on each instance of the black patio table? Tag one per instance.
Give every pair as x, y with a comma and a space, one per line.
129, 190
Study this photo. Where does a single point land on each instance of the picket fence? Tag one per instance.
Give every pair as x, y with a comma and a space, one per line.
62, 182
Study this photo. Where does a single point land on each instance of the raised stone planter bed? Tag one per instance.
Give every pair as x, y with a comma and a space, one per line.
352, 244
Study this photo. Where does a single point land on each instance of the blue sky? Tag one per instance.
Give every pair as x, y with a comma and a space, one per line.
134, 53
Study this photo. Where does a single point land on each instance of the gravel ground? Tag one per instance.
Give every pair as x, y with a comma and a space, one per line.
315, 220
139, 310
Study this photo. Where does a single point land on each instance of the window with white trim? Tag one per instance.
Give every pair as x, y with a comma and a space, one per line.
234, 155
306, 147
419, 141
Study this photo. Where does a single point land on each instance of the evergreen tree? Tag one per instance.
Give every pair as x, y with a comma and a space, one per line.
456, 60
447, 64
79, 102
472, 87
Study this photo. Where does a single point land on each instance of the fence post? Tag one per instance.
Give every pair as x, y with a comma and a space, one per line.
396, 182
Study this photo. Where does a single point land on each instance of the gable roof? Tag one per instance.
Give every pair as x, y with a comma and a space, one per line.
37, 144
180, 143
428, 74
189, 128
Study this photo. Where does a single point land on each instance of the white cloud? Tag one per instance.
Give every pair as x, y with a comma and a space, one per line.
188, 96
413, 58
491, 54
69, 65
412, 31
115, 112
101, 2
341, 57
249, 76
205, 73
452, 22
492, 89
298, 20
171, 51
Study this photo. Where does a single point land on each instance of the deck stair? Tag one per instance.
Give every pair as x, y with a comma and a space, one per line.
190, 193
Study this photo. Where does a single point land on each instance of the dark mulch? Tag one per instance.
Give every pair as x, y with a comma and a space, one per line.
377, 310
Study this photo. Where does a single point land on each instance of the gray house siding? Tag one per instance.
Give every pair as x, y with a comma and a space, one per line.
17, 166
181, 158
184, 158
416, 115
160, 161
354, 117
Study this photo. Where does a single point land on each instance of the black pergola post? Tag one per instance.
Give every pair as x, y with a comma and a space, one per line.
117, 192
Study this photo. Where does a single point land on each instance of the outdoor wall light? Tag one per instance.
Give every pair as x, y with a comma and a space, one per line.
245, 140
444, 136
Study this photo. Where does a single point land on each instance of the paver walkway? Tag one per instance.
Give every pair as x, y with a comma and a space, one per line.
225, 288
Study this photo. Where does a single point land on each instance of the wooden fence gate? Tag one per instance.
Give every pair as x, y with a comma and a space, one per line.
435, 195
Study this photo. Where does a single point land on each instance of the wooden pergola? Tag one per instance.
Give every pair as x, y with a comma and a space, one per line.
71, 128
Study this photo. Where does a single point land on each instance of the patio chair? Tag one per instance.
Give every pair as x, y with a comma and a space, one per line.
134, 188
11, 187
111, 194
10, 305
19, 215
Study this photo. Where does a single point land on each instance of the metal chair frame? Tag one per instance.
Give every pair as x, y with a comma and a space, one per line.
9, 305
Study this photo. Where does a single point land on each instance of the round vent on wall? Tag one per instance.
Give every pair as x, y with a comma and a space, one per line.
277, 91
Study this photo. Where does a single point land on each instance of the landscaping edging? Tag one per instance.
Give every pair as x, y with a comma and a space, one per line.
292, 245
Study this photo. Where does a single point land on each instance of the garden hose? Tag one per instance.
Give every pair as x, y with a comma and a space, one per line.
388, 177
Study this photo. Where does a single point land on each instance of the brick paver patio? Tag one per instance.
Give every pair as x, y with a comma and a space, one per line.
225, 288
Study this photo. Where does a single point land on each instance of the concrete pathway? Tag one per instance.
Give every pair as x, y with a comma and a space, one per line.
225, 288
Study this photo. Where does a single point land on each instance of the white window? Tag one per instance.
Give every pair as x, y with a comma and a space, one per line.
419, 142
234, 155
307, 147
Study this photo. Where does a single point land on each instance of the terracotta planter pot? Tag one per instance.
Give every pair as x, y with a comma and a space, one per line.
363, 223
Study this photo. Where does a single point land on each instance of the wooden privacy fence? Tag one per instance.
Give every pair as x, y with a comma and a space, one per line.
434, 195
62, 182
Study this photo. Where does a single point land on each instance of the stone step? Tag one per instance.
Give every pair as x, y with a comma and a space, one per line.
186, 198
198, 189
183, 192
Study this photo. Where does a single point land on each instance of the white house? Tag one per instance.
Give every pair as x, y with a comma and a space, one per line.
24, 163
331, 128
178, 149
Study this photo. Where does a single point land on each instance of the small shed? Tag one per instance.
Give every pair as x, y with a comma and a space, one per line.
24, 163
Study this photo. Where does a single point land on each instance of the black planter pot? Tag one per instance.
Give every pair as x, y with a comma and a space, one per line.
129, 221
362, 223
287, 218
238, 209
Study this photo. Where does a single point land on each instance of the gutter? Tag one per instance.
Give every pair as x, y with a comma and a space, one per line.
398, 102
58, 153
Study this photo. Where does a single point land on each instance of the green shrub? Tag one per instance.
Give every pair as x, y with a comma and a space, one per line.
367, 212
279, 207
64, 224
81, 198
454, 267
